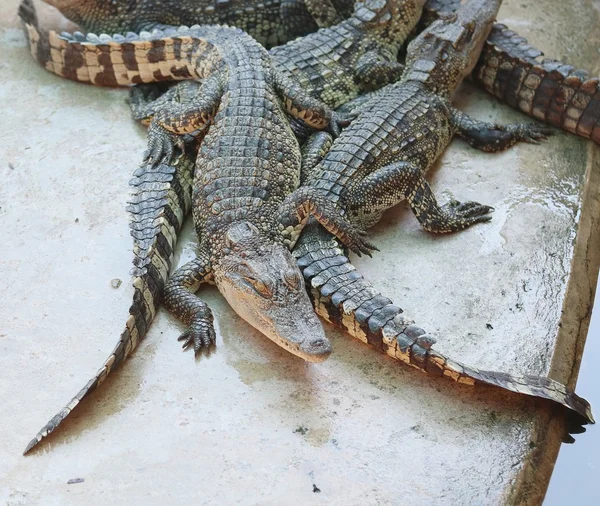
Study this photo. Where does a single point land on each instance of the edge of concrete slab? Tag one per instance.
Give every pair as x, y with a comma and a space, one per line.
532, 482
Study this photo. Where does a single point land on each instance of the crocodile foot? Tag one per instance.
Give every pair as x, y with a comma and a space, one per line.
530, 132
161, 145
340, 120
467, 213
201, 332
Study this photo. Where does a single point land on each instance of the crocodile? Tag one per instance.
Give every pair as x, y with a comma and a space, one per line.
270, 22
249, 160
334, 64
380, 160
97, 40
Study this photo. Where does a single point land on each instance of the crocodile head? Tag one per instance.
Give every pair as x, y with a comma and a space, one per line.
263, 284
389, 20
446, 52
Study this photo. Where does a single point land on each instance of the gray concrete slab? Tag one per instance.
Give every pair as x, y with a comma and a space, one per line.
252, 424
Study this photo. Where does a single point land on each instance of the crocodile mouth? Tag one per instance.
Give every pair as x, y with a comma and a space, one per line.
311, 349
294, 330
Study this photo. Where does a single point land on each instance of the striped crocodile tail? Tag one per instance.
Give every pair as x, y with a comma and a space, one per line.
141, 314
547, 90
344, 298
160, 201
121, 60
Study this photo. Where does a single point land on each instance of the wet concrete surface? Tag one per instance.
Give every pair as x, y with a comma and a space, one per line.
251, 424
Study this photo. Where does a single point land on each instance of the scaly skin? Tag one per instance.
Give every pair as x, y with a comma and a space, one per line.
380, 160
335, 64
548, 90
150, 272
271, 22
249, 161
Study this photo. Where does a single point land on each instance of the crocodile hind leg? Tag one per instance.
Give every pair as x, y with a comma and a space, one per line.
491, 137
398, 181
181, 302
323, 12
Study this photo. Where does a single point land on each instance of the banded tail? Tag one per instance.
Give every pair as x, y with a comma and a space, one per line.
160, 202
344, 298
547, 90
120, 60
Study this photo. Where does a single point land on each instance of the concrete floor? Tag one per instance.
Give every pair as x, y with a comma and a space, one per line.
252, 424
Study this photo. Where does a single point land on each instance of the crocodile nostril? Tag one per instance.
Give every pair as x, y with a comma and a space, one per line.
319, 343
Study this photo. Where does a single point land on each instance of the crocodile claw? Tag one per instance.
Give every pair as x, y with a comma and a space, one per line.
354, 240
340, 120
161, 145
534, 133
468, 212
200, 333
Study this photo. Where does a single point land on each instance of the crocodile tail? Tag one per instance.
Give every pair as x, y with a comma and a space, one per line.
344, 298
118, 60
160, 201
141, 314
547, 90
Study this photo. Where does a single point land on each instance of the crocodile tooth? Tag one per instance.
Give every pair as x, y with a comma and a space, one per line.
183, 29
131, 36
145, 35
66, 35
105, 37
117, 37
195, 27
92, 37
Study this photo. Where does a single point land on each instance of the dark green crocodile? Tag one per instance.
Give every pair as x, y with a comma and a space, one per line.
248, 162
379, 160
271, 22
67, 59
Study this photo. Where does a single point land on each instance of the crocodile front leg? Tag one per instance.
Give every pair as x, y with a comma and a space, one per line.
398, 181
297, 207
181, 302
491, 137
299, 104
145, 100
193, 115
374, 72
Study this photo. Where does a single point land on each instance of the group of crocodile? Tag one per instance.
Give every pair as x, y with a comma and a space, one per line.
224, 148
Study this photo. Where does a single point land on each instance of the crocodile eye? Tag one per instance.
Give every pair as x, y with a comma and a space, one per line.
292, 279
261, 288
